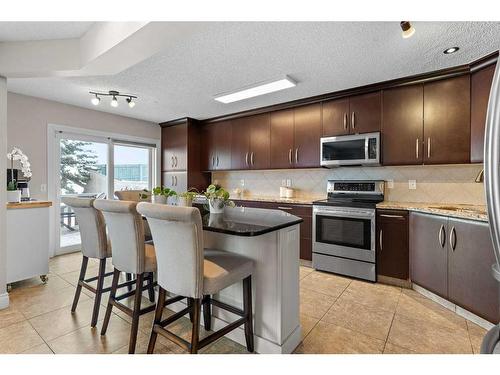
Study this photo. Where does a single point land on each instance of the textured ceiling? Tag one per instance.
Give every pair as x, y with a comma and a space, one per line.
24, 31
323, 57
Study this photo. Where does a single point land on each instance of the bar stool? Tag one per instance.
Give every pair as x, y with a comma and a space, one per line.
130, 254
186, 269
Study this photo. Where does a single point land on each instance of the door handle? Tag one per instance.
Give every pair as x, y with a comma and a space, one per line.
353, 120
217, 160
453, 239
428, 147
380, 240
175, 180
172, 163
285, 208
213, 161
175, 161
393, 216
172, 178
416, 148
290, 156
251, 158
246, 158
296, 155
345, 120
441, 236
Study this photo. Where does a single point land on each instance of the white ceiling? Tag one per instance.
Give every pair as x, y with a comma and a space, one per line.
24, 31
223, 56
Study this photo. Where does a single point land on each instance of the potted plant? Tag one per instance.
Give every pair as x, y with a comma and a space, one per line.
186, 199
161, 194
13, 194
217, 198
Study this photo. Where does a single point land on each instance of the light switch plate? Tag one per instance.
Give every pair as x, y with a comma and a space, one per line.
43, 188
288, 182
412, 184
390, 184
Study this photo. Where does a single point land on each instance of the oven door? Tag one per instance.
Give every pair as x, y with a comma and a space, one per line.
344, 232
357, 149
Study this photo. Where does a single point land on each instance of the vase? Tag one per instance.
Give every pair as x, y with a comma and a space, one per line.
13, 196
216, 206
184, 202
159, 199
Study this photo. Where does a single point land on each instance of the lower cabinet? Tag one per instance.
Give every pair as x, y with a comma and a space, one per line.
453, 258
392, 244
303, 211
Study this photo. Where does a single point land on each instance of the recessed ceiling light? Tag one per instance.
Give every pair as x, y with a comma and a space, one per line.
260, 89
450, 50
408, 29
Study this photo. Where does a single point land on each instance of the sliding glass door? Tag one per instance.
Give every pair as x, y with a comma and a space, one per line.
95, 167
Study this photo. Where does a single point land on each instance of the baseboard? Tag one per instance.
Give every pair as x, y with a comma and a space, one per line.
394, 281
4, 301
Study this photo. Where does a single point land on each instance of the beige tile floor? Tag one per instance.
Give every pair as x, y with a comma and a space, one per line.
338, 315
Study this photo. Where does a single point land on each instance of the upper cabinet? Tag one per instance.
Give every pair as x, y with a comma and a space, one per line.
295, 137
174, 140
216, 146
403, 125
250, 142
480, 93
447, 121
355, 114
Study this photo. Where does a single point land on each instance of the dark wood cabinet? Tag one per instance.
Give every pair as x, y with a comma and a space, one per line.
470, 257
480, 93
392, 244
307, 134
181, 167
240, 144
251, 142
365, 112
301, 210
428, 253
447, 121
216, 146
335, 117
282, 137
403, 125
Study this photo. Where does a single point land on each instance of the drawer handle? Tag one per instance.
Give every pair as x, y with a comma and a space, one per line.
428, 147
453, 239
416, 147
345, 121
285, 208
441, 236
393, 216
380, 240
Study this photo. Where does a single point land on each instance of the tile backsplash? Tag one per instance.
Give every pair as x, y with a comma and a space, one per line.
436, 184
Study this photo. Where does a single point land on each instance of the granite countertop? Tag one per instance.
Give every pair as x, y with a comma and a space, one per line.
461, 211
275, 199
245, 221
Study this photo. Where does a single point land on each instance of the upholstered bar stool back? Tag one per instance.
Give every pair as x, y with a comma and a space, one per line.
178, 236
126, 232
92, 227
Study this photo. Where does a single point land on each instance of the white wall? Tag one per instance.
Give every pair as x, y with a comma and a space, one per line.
4, 298
28, 117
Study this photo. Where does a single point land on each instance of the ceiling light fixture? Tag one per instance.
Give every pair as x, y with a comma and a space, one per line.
114, 100
408, 29
256, 90
450, 50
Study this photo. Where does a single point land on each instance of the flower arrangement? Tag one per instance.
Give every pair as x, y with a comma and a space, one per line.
17, 154
218, 198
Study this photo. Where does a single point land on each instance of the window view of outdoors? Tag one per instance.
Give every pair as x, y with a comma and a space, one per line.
131, 168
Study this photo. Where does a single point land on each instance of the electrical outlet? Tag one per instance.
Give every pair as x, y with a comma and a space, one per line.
288, 182
43, 188
412, 184
390, 184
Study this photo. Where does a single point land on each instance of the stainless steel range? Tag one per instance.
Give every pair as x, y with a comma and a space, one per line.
344, 228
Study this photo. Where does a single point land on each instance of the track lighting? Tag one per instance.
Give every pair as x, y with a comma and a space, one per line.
408, 29
114, 98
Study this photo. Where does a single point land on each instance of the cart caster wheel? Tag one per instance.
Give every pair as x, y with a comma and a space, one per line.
9, 288
44, 278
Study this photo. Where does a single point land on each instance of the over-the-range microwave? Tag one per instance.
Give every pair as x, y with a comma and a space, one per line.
356, 149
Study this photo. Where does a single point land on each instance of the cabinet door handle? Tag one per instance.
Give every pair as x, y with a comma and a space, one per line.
213, 161
453, 239
172, 161
172, 178
175, 180
176, 161
217, 160
393, 216
251, 158
428, 147
290, 156
353, 120
296, 155
285, 208
345, 120
416, 148
380, 240
442, 236
246, 158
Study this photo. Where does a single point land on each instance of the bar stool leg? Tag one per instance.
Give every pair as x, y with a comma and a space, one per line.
247, 308
151, 289
158, 314
207, 312
136, 313
195, 333
98, 293
112, 294
190, 305
83, 271
128, 277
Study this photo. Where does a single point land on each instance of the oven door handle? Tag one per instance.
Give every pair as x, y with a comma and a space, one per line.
346, 214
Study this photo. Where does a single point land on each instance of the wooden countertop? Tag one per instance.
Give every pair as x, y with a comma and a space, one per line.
29, 204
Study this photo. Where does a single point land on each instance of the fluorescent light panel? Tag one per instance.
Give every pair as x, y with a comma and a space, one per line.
260, 89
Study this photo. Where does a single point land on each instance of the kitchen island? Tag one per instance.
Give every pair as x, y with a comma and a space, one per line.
271, 239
